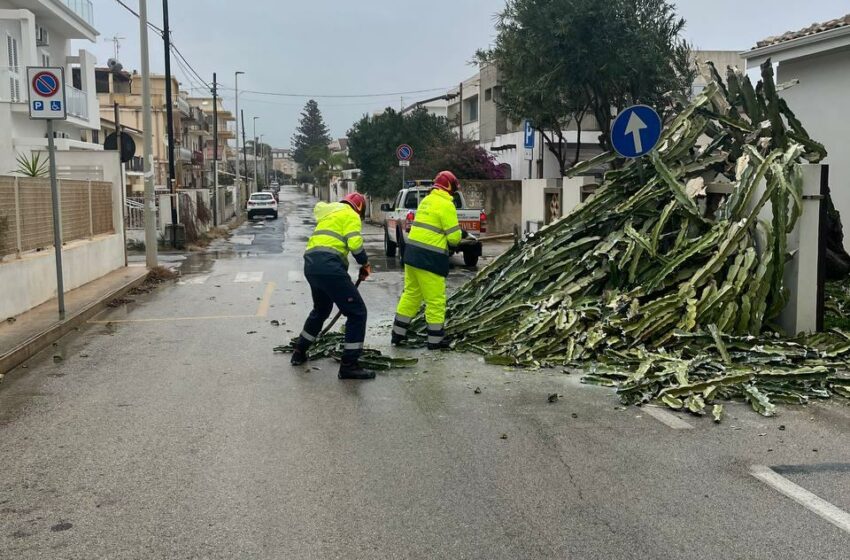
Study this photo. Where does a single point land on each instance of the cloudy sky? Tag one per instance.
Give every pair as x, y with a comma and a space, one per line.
355, 47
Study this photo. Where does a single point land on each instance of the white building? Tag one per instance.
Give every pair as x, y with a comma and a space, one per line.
39, 33
819, 57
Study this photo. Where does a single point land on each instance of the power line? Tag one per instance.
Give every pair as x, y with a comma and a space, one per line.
174, 48
179, 54
337, 96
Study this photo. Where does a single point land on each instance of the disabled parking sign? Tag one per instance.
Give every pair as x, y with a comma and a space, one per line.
46, 93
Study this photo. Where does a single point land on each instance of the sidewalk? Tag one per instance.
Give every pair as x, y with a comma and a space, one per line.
29, 333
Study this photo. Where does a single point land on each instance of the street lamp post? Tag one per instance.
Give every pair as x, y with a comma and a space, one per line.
256, 177
239, 193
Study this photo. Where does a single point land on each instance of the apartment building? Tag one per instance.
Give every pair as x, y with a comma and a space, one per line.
39, 33
283, 163
125, 89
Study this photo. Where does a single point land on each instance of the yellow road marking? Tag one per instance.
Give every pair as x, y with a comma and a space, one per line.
263, 309
166, 319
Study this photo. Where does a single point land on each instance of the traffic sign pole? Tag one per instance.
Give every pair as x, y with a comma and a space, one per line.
57, 222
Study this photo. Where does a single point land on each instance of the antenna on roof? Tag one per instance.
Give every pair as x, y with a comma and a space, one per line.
116, 41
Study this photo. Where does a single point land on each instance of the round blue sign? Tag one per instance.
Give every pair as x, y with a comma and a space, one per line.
636, 131
46, 84
404, 152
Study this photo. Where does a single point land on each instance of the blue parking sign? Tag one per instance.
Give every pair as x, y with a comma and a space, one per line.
38, 105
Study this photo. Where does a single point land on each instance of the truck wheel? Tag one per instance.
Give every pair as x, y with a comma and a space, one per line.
389, 245
470, 258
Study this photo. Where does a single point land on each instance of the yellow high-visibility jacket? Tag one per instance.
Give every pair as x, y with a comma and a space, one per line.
434, 230
338, 232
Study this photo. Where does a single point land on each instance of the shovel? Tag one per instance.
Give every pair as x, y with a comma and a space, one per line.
338, 314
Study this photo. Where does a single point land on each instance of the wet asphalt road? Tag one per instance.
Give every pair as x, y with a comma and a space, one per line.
167, 428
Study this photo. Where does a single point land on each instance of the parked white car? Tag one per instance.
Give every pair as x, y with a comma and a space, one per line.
262, 204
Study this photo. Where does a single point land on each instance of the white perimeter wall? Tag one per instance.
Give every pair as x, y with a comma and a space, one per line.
822, 103
31, 280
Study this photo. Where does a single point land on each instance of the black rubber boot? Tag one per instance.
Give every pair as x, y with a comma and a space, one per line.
444, 344
352, 370
397, 339
299, 356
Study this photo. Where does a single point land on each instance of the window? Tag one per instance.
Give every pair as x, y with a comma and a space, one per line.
411, 201
470, 110
488, 94
45, 58
14, 69
95, 136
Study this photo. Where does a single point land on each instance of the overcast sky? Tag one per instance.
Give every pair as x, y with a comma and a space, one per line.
350, 47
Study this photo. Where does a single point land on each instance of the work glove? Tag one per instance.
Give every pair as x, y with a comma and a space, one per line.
365, 272
464, 234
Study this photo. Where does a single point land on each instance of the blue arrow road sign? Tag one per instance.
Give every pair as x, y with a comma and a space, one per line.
636, 131
529, 135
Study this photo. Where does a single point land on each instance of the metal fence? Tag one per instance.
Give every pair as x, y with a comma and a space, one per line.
26, 212
134, 212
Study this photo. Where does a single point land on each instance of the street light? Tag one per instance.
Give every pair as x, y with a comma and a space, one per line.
239, 192
256, 177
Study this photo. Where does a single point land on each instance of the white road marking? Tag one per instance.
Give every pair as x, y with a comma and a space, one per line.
668, 418
242, 239
295, 276
194, 280
249, 277
812, 502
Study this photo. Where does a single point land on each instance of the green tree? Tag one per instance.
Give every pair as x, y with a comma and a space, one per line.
311, 139
561, 61
373, 141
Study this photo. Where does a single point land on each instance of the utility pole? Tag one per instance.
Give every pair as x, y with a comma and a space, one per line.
238, 202
256, 177
120, 145
169, 114
460, 113
244, 155
215, 151
150, 203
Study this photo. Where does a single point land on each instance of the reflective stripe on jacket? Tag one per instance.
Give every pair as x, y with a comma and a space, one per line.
337, 232
434, 230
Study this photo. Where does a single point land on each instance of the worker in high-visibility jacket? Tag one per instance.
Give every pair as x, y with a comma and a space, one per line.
337, 233
426, 261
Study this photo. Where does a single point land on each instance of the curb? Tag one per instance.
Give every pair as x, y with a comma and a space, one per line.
38, 342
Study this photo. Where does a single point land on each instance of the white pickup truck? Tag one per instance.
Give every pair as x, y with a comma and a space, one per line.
402, 212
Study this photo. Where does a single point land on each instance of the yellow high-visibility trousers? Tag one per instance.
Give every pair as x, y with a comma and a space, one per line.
421, 285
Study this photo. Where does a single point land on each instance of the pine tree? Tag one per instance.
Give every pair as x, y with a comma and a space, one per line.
311, 139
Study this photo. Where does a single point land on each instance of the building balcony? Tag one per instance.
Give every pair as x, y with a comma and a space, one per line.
184, 154
77, 102
71, 19
184, 107
82, 8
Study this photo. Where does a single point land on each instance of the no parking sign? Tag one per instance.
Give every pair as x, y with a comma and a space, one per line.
46, 93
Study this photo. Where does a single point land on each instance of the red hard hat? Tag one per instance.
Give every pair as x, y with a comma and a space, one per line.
356, 201
447, 181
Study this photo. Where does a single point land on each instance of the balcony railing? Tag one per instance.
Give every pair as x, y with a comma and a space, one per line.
183, 107
78, 103
83, 8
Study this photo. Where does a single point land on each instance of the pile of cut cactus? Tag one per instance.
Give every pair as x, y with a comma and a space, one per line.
652, 290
